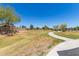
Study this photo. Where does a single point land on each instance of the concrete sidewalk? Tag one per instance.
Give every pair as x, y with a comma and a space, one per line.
67, 44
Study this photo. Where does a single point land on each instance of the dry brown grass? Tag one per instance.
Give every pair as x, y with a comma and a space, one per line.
28, 42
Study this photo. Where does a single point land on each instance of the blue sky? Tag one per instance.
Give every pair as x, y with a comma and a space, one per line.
50, 14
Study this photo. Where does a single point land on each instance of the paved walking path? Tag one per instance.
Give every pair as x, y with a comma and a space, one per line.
67, 44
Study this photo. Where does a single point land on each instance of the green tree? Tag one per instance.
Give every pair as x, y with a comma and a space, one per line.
76, 28
24, 27
8, 17
37, 28
56, 27
45, 27
31, 26
63, 27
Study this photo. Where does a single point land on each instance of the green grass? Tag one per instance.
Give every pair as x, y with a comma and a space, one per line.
72, 35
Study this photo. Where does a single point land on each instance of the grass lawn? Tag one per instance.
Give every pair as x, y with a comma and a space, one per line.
73, 35
27, 42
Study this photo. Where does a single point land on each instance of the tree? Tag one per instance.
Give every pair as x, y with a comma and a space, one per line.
24, 27
76, 28
63, 27
8, 17
56, 27
37, 28
45, 27
31, 26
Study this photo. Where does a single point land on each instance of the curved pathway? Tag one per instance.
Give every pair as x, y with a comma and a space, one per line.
67, 44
